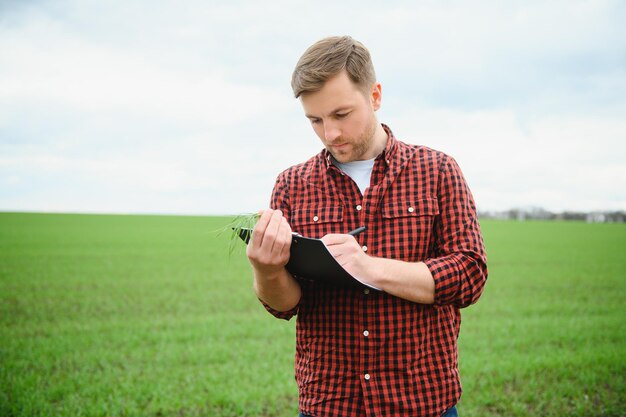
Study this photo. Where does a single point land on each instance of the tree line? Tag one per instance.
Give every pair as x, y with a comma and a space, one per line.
537, 213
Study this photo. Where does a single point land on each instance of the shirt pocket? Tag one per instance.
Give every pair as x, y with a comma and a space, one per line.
407, 226
318, 220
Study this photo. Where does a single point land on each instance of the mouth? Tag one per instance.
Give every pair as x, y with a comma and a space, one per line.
340, 147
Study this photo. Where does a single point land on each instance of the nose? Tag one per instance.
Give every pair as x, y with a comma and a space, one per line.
331, 132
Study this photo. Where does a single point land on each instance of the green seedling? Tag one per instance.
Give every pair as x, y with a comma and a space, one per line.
239, 227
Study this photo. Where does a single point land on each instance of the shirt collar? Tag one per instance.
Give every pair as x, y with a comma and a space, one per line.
392, 145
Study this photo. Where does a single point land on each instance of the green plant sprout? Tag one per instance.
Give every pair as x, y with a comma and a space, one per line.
239, 224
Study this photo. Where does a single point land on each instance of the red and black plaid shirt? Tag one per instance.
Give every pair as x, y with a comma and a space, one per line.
360, 352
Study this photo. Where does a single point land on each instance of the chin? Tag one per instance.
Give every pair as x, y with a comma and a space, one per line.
343, 158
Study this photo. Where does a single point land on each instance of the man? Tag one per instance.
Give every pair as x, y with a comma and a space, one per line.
362, 352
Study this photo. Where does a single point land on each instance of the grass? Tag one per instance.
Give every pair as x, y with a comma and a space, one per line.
548, 337
151, 316
134, 315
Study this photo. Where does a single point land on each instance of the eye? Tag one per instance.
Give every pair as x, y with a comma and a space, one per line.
314, 121
342, 115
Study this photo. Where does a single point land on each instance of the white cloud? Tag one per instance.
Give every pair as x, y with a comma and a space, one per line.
156, 107
556, 162
65, 72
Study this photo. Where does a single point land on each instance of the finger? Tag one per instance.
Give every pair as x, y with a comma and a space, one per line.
286, 250
337, 239
261, 225
283, 240
271, 232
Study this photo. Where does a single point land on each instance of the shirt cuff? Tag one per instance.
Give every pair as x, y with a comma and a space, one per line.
285, 315
445, 276
459, 279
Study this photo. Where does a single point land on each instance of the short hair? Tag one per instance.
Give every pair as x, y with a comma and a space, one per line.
327, 58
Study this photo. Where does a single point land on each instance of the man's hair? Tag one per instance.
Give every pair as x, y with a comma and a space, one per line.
327, 58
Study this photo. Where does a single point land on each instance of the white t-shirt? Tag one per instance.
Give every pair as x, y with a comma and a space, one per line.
359, 171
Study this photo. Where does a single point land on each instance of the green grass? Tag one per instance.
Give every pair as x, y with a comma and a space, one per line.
151, 316
548, 337
134, 315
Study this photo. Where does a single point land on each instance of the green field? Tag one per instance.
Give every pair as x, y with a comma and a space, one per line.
150, 316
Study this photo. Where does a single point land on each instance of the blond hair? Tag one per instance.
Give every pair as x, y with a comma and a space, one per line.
328, 57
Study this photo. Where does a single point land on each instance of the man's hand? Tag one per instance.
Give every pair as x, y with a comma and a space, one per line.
346, 250
268, 250
408, 280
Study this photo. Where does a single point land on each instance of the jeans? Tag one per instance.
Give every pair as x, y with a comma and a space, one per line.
450, 413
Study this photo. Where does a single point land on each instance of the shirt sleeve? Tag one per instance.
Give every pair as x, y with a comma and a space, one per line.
460, 265
279, 201
285, 315
280, 195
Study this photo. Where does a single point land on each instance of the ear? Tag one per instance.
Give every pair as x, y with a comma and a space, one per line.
376, 96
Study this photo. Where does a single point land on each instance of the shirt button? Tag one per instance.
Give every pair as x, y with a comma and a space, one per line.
359, 207
315, 218
366, 333
366, 291
367, 377
364, 248
411, 209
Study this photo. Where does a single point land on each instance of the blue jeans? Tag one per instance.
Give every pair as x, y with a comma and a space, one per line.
450, 413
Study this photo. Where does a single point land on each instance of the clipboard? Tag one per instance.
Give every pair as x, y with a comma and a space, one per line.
310, 260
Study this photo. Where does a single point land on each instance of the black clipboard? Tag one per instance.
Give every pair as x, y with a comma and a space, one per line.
310, 260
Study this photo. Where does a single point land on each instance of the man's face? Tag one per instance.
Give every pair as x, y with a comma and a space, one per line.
344, 118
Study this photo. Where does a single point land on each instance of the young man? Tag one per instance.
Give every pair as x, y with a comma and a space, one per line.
361, 352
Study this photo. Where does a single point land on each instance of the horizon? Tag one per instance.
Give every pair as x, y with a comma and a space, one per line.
480, 213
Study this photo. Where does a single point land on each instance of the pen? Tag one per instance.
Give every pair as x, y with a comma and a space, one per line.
357, 231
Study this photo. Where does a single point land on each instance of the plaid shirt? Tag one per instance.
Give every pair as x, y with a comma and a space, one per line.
360, 352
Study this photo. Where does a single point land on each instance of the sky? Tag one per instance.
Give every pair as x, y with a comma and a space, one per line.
186, 107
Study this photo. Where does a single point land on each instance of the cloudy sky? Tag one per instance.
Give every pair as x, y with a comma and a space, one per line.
185, 107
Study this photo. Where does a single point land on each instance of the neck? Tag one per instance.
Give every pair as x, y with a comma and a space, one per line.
380, 140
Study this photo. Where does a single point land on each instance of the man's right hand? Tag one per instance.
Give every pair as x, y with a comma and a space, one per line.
268, 250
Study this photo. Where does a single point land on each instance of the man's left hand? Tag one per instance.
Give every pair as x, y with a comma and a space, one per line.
350, 255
